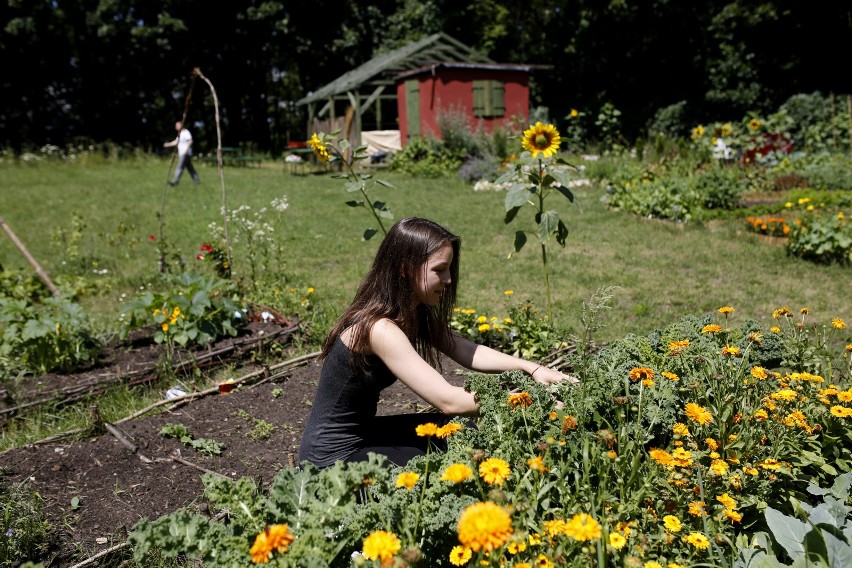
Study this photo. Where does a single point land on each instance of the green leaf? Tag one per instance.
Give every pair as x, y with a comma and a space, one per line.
566, 192
517, 196
788, 531
520, 241
369, 234
344, 144
355, 185
510, 215
355, 203
547, 225
385, 183
561, 233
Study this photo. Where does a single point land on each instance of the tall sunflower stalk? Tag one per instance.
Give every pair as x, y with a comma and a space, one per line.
535, 177
329, 148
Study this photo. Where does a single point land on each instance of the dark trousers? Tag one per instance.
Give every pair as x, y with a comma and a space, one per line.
396, 437
185, 162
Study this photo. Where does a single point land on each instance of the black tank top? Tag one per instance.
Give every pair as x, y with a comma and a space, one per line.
345, 403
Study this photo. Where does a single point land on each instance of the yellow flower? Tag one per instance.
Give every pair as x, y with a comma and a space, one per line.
770, 464
641, 373
759, 373
537, 464
276, 537
733, 515
727, 501
698, 413
662, 457
407, 479
652, 564
711, 443
697, 132
583, 527
671, 376
617, 540
381, 545
731, 350
775, 329
725, 310
534, 539
838, 323
672, 523
541, 139
681, 457
311, 290
165, 327
761, 415
483, 327
697, 540
319, 148
680, 429
456, 473
840, 411
426, 430
494, 471
522, 399
754, 124
574, 113
752, 471
508, 292
788, 395
719, 467
516, 547
676, 347
484, 526
696, 508
647, 383
448, 429
785, 311
542, 561
460, 555
725, 130
711, 328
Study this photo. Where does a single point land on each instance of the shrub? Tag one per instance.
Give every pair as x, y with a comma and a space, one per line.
822, 239
48, 336
425, 157
195, 310
670, 121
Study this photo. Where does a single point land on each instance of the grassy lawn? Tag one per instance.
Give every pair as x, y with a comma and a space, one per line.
663, 270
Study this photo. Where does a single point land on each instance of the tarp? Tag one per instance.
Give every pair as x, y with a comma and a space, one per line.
381, 141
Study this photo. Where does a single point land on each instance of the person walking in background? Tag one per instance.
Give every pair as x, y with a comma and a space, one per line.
183, 141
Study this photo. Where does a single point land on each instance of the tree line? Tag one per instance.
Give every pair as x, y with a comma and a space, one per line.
120, 71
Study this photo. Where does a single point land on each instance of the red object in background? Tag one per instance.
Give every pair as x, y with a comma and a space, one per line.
763, 144
293, 144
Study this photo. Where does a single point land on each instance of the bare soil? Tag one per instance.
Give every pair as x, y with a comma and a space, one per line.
97, 488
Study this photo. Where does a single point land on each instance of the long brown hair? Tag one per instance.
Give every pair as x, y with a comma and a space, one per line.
389, 290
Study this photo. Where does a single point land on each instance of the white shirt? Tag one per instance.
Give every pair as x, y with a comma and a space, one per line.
184, 140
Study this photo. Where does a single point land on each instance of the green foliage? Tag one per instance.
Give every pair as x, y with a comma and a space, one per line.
181, 432
426, 157
54, 335
25, 532
821, 238
671, 121
196, 310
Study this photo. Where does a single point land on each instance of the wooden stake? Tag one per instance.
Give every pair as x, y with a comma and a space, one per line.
38, 270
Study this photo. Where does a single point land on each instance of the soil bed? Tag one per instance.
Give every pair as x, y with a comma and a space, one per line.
118, 478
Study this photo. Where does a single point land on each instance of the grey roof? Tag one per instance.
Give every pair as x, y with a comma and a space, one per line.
436, 48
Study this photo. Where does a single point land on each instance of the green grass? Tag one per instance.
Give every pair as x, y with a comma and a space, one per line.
663, 270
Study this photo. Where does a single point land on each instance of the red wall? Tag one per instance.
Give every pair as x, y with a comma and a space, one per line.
452, 89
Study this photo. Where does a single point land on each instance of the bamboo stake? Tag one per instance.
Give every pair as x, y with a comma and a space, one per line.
197, 72
38, 269
849, 112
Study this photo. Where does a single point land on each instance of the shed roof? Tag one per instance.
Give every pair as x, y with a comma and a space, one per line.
381, 69
523, 67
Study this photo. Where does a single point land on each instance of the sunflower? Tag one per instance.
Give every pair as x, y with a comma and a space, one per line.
541, 139
319, 148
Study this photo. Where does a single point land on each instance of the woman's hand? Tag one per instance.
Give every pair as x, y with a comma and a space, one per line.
548, 376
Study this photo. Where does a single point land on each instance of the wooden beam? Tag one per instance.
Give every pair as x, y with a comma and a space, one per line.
33, 262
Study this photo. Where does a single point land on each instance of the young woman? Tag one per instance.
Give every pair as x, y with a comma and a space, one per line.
396, 328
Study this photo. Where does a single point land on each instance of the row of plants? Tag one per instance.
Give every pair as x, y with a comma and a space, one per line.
709, 442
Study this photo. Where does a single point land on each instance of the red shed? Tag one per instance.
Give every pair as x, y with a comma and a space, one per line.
490, 94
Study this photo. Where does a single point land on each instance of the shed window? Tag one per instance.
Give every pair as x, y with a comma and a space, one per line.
488, 99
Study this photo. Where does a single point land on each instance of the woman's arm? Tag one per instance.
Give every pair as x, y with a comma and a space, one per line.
390, 344
484, 359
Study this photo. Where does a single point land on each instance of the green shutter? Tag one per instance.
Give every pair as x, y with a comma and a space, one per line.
412, 107
488, 99
498, 104
480, 98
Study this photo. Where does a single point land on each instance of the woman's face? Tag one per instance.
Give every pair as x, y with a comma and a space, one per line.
435, 276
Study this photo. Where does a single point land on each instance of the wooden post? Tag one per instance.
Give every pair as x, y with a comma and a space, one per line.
41, 273
849, 111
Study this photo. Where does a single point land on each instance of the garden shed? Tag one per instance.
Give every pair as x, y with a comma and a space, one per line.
486, 95
371, 103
